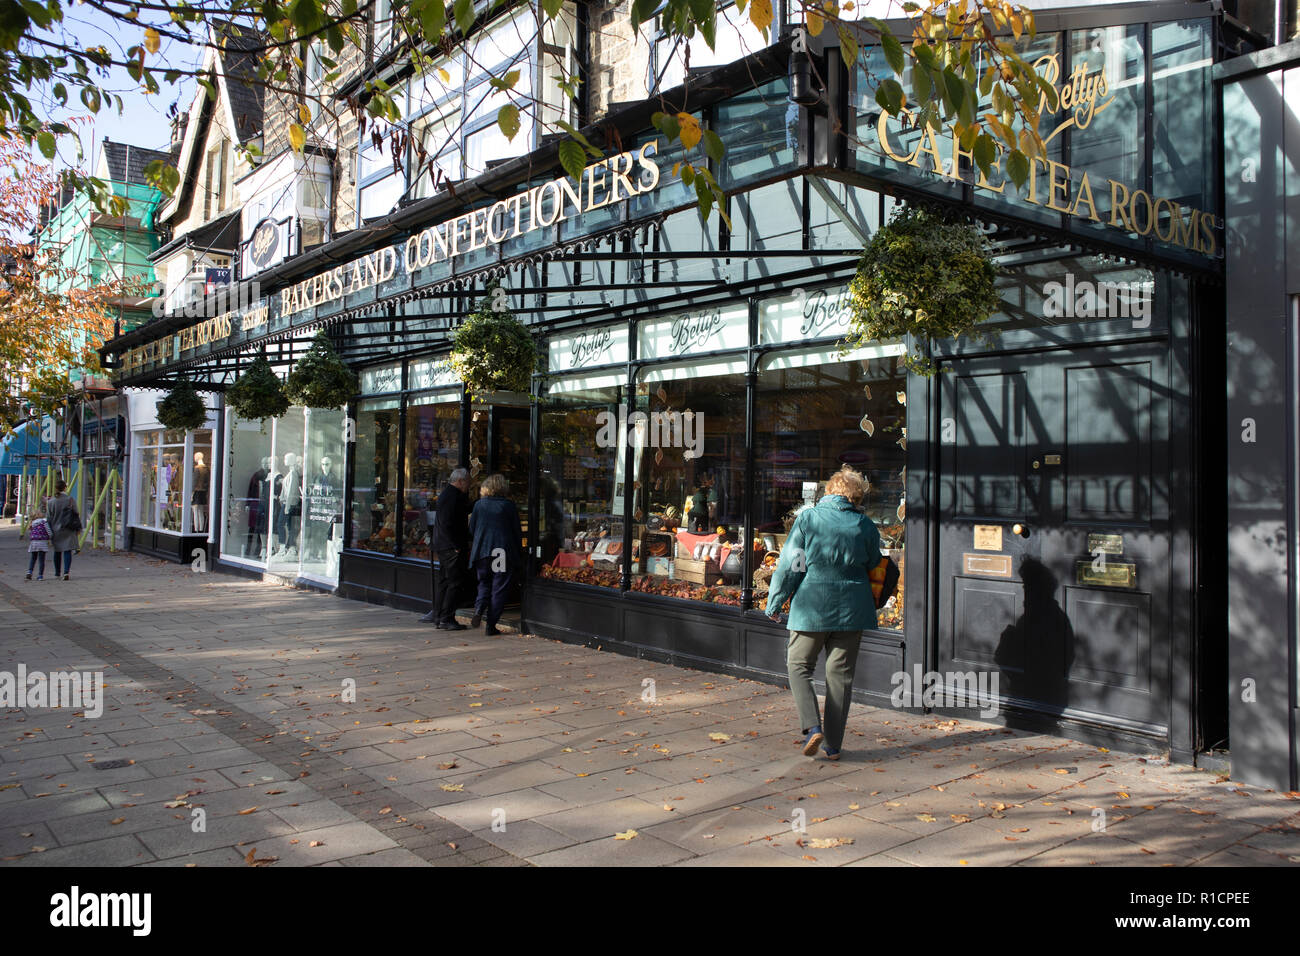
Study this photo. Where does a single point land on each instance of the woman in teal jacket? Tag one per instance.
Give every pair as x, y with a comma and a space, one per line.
823, 573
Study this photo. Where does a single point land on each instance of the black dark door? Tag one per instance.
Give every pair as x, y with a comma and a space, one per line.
1053, 568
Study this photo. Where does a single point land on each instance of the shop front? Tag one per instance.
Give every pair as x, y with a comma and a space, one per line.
1048, 495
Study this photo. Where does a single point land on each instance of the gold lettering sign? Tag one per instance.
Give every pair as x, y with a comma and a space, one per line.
619, 177
1055, 185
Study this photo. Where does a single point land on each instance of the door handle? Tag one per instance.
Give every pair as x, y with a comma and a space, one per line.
1020, 529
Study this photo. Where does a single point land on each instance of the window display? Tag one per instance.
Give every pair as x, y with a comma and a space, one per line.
287, 493
581, 520
173, 472
818, 410
374, 487
688, 491
322, 486
248, 489
432, 453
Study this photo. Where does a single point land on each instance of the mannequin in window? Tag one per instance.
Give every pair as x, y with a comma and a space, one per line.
173, 479
199, 496
290, 503
259, 493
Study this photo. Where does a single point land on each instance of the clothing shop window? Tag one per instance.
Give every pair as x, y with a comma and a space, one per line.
174, 480
816, 411
688, 480
374, 487
582, 520
432, 453
322, 489
248, 489
287, 494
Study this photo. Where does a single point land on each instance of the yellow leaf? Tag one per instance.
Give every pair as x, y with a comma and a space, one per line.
626, 835
829, 843
760, 14
244, 813
925, 818
298, 139
689, 130
719, 737
959, 818
453, 787
152, 40
304, 113
444, 75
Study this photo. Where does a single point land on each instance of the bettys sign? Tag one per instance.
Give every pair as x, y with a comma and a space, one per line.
804, 314
695, 332
605, 345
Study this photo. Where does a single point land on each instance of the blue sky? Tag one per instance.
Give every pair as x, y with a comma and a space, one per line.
143, 120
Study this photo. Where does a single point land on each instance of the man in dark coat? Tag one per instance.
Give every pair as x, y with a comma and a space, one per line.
449, 545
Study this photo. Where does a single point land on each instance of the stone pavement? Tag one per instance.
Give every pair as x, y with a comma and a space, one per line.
227, 701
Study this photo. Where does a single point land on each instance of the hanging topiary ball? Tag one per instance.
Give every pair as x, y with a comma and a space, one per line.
257, 394
492, 350
320, 379
182, 409
922, 275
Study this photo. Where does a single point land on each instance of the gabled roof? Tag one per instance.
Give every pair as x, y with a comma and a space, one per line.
126, 163
233, 56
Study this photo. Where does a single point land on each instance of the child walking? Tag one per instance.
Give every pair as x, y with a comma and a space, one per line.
39, 533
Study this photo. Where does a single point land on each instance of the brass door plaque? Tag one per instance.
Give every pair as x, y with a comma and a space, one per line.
1106, 543
988, 537
1051, 459
987, 565
1112, 575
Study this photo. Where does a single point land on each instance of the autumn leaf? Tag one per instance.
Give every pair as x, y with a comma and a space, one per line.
152, 40
297, 137
959, 818
244, 813
719, 737
448, 766
828, 843
626, 835
926, 818
385, 811
316, 843
453, 787
689, 130
117, 821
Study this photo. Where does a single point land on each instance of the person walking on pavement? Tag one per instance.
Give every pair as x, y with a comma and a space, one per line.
823, 572
496, 552
449, 543
64, 521
38, 544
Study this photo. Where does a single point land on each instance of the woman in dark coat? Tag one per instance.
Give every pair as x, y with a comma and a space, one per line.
58, 514
495, 552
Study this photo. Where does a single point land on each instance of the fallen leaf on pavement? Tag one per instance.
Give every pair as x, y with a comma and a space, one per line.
385, 810
448, 766
253, 860
719, 737
926, 818
959, 818
828, 843
117, 821
453, 787
626, 835
316, 843
244, 813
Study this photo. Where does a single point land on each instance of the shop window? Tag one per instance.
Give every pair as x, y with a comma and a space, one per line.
287, 494
432, 453
817, 411
248, 489
688, 483
174, 479
374, 486
322, 489
582, 520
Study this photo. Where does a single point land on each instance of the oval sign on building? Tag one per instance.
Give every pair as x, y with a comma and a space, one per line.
264, 244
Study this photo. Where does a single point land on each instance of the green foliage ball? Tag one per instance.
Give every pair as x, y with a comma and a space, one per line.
922, 275
182, 409
320, 379
257, 394
493, 351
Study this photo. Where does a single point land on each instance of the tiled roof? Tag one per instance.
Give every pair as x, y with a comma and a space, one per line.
241, 51
126, 163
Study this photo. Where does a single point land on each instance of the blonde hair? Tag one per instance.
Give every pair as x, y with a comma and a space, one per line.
495, 485
847, 482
